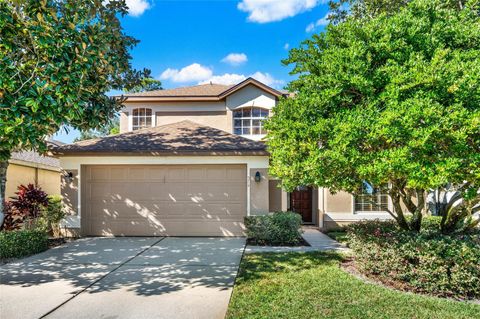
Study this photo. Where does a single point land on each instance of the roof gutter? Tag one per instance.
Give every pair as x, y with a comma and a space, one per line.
59, 153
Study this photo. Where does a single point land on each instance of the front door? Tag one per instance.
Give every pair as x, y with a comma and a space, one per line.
301, 203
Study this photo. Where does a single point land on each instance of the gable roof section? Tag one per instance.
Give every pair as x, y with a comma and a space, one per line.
203, 92
182, 138
254, 82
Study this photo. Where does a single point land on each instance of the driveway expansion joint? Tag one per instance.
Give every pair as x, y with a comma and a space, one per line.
101, 278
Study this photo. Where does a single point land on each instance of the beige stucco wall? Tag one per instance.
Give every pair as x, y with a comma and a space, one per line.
336, 210
250, 96
274, 196
70, 191
341, 202
48, 180
123, 122
17, 175
259, 192
217, 119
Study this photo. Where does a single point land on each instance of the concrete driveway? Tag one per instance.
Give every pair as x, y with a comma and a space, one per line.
131, 277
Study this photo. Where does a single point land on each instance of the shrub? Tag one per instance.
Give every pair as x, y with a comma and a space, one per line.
281, 228
25, 209
428, 262
20, 243
51, 215
30, 199
13, 217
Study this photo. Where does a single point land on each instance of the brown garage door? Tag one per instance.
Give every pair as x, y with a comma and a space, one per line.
175, 200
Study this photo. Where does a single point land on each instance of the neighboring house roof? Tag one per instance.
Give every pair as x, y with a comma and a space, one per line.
182, 138
31, 158
197, 90
204, 92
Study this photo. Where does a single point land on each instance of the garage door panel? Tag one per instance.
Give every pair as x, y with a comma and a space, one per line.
197, 174
234, 173
192, 200
118, 173
216, 173
175, 174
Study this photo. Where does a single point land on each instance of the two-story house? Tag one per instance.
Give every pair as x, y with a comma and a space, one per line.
190, 161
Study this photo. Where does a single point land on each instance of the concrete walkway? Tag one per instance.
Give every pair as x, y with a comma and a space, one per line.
124, 278
318, 242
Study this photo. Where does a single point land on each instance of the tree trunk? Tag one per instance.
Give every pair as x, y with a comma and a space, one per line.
3, 184
400, 217
416, 223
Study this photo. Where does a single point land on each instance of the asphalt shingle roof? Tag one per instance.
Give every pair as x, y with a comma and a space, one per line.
183, 137
35, 158
197, 90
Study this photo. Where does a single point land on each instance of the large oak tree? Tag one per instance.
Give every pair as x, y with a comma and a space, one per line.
392, 99
58, 59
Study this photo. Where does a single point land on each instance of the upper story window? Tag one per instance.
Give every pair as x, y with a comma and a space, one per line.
249, 121
141, 118
371, 199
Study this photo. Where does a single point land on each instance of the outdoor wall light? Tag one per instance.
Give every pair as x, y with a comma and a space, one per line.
68, 176
258, 177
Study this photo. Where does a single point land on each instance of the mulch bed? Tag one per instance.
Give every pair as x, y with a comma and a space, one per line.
302, 242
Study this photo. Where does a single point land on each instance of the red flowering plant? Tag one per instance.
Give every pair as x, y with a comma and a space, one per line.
25, 208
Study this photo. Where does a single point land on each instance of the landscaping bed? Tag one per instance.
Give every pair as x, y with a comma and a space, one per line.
313, 285
427, 262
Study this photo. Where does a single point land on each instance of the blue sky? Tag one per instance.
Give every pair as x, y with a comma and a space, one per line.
224, 41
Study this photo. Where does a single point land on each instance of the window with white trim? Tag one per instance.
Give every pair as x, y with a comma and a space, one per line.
249, 121
371, 199
141, 118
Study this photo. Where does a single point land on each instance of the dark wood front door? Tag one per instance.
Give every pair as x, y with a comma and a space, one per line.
301, 203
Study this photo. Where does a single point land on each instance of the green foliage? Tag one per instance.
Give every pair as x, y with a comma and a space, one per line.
111, 128
25, 208
338, 235
366, 9
429, 262
147, 84
58, 59
281, 228
51, 215
20, 243
393, 99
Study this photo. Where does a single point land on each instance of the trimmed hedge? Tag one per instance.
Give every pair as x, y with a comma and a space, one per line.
20, 243
426, 262
281, 228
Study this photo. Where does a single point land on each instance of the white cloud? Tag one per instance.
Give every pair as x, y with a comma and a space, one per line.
227, 78
310, 27
190, 73
233, 78
263, 11
235, 58
267, 79
320, 22
286, 46
137, 7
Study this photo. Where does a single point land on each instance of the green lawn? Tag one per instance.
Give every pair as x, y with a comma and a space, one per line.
311, 285
340, 236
